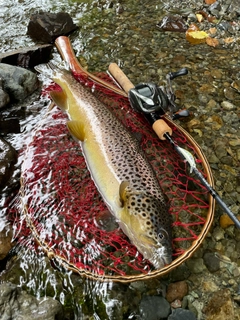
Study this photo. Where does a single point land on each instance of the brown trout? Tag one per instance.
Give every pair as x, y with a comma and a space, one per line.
119, 169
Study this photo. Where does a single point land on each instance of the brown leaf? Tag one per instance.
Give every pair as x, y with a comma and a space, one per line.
213, 30
229, 40
210, 1
212, 42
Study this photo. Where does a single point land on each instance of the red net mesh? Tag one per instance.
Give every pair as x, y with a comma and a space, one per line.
66, 213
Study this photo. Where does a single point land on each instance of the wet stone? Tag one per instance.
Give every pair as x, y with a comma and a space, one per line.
177, 290
196, 265
226, 105
8, 158
180, 273
27, 57
220, 306
172, 23
46, 26
211, 261
231, 94
217, 74
16, 304
6, 243
236, 85
154, 308
18, 82
218, 234
4, 97
182, 314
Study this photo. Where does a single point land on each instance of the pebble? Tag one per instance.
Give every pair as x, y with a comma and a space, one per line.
154, 308
231, 94
226, 105
209, 286
176, 304
211, 261
218, 234
236, 85
176, 290
234, 143
6, 243
182, 314
220, 306
211, 104
196, 265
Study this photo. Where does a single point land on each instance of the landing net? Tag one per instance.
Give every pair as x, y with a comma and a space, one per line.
67, 216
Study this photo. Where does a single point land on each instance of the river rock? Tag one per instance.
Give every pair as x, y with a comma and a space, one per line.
177, 290
220, 306
182, 314
4, 97
16, 304
18, 82
154, 308
196, 265
46, 26
211, 261
27, 57
6, 243
8, 158
173, 23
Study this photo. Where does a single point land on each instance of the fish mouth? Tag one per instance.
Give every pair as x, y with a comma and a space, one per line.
161, 257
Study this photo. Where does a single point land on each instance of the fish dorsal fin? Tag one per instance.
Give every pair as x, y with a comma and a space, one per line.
60, 98
76, 129
122, 190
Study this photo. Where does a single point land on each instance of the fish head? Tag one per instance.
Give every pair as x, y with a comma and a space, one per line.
147, 223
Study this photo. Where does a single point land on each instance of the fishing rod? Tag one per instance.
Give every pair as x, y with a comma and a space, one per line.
154, 101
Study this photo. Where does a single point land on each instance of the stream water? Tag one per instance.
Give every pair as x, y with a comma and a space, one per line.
125, 32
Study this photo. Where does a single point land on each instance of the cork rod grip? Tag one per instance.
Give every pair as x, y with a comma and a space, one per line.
120, 77
160, 126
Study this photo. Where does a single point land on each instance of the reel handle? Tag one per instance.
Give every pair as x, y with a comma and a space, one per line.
159, 126
181, 72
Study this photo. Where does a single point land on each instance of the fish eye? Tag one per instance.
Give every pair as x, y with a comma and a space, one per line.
162, 234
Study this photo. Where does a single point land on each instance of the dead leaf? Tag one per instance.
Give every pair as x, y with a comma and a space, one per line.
226, 221
212, 30
210, 1
212, 42
196, 37
193, 27
229, 40
199, 17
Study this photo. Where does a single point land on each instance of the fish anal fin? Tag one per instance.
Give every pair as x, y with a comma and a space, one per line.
122, 191
76, 129
60, 99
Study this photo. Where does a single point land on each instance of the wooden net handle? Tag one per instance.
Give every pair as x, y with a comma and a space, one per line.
160, 126
65, 49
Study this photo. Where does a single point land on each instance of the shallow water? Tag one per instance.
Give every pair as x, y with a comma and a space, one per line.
125, 32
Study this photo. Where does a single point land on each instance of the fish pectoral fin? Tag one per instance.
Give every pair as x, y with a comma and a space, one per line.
60, 99
122, 191
76, 129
